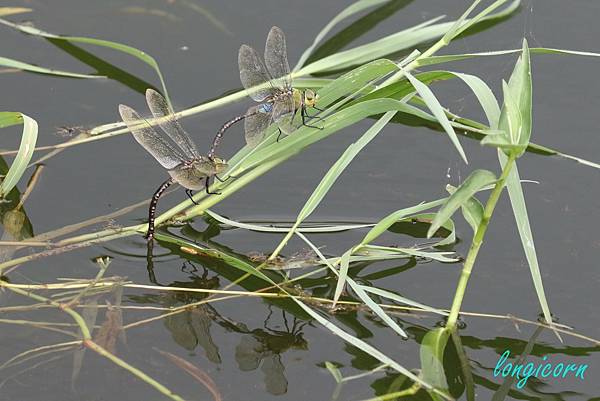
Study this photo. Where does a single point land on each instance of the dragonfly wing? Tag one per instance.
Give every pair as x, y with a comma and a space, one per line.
255, 125
145, 135
276, 58
252, 73
284, 111
160, 110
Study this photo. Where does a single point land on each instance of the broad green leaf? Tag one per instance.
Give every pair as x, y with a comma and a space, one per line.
521, 88
355, 80
28, 140
132, 51
472, 210
8, 118
476, 180
437, 110
432, 359
10, 63
352, 9
484, 95
503, 142
517, 201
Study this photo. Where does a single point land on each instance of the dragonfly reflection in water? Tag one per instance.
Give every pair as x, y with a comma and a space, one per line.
184, 163
280, 101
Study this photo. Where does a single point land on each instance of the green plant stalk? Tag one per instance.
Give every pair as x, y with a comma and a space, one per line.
89, 343
477, 242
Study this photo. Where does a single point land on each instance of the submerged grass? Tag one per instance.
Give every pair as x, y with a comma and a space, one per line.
374, 87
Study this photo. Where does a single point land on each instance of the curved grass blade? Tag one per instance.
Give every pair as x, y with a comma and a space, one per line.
132, 51
385, 223
476, 180
437, 110
28, 140
357, 29
11, 63
345, 13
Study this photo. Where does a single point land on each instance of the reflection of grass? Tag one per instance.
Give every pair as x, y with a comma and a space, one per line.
372, 88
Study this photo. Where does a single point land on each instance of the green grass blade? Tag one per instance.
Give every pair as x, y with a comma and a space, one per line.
352, 9
132, 51
437, 110
365, 347
28, 140
8, 118
340, 165
11, 63
476, 180
359, 290
403, 40
484, 95
342, 275
392, 218
403, 300
517, 201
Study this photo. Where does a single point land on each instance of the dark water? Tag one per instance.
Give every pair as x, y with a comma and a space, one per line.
258, 350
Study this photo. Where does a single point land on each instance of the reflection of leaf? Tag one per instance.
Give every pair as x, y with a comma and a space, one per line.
275, 381
194, 371
201, 321
111, 329
181, 330
248, 353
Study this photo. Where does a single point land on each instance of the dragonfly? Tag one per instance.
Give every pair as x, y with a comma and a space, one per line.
279, 100
185, 165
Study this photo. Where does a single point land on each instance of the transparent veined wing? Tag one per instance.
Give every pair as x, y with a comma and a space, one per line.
160, 110
284, 110
145, 135
276, 58
252, 73
256, 123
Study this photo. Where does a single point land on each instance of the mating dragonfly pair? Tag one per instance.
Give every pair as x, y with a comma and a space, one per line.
267, 82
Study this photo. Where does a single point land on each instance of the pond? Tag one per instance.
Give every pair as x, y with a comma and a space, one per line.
242, 338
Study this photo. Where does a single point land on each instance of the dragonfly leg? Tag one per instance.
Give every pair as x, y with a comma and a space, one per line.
304, 114
316, 108
152, 210
226, 179
279, 136
190, 195
206, 185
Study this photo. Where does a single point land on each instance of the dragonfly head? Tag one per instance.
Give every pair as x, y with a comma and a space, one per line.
310, 97
219, 164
